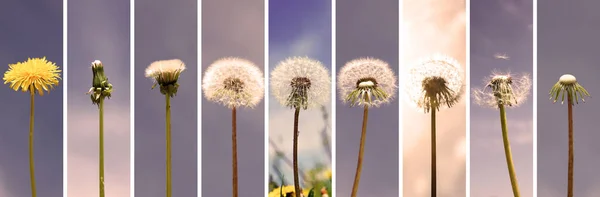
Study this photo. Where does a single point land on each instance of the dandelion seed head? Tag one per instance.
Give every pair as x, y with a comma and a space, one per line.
435, 82
503, 89
301, 82
101, 88
35, 74
366, 82
165, 73
233, 82
567, 86
567, 79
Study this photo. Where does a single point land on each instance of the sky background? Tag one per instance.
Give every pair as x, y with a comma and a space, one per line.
165, 30
104, 37
240, 35
501, 26
36, 33
367, 29
433, 26
299, 28
568, 43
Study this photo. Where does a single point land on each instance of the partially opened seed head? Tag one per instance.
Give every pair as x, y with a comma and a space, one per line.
301, 82
500, 88
366, 82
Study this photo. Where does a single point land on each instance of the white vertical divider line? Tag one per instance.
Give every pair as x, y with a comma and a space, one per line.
132, 98
199, 95
266, 96
535, 186
65, 97
468, 99
400, 133
333, 98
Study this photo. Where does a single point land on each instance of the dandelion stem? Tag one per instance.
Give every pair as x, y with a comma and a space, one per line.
508, 153
571, 152
361, 152
295, 154
433, 156
101, 146
234, 152
168, 142
31, 165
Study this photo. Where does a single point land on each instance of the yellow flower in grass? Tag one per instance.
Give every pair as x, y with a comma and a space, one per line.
288, 189
31, 75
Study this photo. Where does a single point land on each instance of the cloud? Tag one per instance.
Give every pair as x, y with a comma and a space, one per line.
3, 190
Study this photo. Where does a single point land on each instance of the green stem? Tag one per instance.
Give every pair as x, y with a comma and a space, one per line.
168, 142
295, 154
31, 165
508, 153
361, 152
234, 152
101, 147
433, 156
571, 152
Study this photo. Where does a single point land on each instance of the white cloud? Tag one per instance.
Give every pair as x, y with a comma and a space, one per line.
3, 190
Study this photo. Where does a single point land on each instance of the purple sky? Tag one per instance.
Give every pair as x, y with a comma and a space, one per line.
299, 28
367, 29
36, 33
242, 35
165, 30
501, 26
568, 43
104, 37
433, 26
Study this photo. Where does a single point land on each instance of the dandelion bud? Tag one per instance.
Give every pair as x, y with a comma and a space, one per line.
101, 88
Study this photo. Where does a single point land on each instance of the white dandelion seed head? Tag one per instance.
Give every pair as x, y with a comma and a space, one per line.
166, 73
366, 82
233, 82
503, 88
301, 82
440, 73
567, 79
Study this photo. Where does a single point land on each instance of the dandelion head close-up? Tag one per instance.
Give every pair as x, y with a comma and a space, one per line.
101, 88
233, 82
165, 73
567, 86
434, 82
366, 82
503, 89
35, 74
301, 82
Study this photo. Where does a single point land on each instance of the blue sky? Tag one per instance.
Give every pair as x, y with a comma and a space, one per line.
36, 33
104, 37
165, 30
367, 29
501, 27
568, 43
299, 29
242, 35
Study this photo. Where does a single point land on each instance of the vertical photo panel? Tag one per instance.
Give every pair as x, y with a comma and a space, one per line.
98, 125
300, 97
31, 98
166, 98
433, 87
233, 108
567, 146
501, 69
367, 98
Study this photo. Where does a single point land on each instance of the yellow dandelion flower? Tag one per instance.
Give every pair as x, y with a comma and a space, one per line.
31, 75
286, 190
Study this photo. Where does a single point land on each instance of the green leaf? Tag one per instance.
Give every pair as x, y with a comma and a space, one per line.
311, 193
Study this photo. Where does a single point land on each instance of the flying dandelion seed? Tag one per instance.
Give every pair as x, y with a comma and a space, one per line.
501, 56
301, 82
165, 73
503, 89
233, 82
435, 82
367, 81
